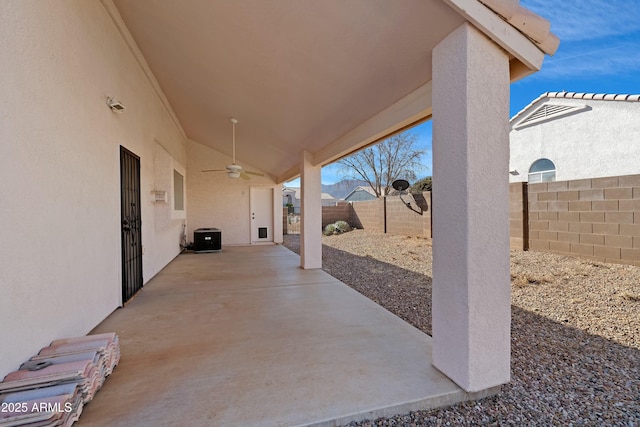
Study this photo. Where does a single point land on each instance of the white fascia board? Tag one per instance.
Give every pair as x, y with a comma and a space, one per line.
500, 31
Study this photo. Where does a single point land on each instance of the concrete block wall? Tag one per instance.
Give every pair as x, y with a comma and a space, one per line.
595, 218
405, 222
368, 215
331, 214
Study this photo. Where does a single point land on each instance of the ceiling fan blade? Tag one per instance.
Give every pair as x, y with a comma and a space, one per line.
214, 170
244, 175
254, 173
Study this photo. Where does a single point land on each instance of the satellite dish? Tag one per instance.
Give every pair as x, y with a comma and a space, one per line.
400, 184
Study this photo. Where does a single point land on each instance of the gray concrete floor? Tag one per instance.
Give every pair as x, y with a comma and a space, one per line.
245, 337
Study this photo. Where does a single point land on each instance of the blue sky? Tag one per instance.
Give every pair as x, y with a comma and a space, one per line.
599, 53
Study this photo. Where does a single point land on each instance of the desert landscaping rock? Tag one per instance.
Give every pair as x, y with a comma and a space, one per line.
575, 332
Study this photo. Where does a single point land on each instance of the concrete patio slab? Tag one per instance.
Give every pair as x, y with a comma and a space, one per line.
246, 337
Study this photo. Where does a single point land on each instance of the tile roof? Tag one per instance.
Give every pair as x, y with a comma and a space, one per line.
579, 95
63, 377
598, 96
534, 27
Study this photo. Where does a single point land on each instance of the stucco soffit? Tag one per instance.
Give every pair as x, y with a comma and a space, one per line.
411, 109
288, 175
501, 32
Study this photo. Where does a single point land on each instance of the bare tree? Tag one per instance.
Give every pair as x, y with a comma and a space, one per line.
381, 164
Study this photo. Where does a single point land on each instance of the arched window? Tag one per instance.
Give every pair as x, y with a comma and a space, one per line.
542, 170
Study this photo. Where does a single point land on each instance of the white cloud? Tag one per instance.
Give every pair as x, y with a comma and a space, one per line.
578, 20
598, 38
587, 70
589, 60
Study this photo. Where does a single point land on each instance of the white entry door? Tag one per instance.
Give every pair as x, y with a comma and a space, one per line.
261, 214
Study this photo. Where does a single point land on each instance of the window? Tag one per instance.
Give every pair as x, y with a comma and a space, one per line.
178, 191
542, 170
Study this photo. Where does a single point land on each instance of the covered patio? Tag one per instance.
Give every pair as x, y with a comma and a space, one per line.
119, 147
246, 337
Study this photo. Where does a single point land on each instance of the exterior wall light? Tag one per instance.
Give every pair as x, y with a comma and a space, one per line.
115, 105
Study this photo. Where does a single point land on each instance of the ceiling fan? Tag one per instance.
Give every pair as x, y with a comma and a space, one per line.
233, 170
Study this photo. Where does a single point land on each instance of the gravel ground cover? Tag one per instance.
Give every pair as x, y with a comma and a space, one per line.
575, 351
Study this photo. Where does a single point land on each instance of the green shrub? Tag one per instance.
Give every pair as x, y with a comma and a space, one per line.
336, 228
342, 226
329, 230
425, 184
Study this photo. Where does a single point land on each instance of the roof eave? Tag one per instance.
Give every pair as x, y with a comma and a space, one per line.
527, 56
573, 95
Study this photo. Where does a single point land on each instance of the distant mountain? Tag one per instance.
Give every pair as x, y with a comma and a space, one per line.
341, 189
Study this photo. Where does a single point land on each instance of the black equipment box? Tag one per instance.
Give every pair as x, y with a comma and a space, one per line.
207, 240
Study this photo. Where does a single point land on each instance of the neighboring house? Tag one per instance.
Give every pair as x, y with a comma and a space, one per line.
360, 194
328, 200
566, 135
292, 195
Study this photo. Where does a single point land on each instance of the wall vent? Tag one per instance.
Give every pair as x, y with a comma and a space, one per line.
548, 112
158, 196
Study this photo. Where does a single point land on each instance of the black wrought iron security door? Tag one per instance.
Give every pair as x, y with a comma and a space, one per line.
130, 224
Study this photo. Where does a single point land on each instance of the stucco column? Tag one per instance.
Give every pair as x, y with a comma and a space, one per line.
311, 214
471, 282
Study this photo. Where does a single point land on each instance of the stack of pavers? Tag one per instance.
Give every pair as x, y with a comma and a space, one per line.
52, 387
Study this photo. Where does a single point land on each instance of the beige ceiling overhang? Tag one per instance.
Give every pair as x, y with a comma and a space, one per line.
326, 77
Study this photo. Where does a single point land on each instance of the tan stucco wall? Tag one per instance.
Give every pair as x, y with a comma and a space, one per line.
60, 181
218, 201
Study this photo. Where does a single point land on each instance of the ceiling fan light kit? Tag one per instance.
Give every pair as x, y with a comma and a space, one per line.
233, 170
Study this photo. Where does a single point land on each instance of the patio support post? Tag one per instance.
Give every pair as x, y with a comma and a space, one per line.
471, 282
311, 214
